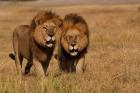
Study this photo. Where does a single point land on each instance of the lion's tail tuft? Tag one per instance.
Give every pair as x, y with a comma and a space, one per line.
12, 56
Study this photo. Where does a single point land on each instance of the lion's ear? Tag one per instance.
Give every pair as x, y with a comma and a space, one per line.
59, 22
33, 24
37, 21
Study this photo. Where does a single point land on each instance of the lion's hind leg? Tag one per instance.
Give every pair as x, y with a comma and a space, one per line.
18, 64
12, 56
18, 57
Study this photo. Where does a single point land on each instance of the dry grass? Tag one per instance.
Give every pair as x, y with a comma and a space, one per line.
113, 58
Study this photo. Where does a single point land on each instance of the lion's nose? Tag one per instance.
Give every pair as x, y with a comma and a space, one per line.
73, 44
51, 34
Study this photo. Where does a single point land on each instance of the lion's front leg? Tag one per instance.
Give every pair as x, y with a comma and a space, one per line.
18, 62
45, 66
39, 68
28, 67
80, 64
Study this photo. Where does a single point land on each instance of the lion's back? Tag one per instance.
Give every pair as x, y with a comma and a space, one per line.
21, 36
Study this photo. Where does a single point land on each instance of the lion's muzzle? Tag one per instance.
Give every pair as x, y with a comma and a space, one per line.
73, 50
50, 41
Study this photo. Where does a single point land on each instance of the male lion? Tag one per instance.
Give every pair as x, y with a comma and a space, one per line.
36, 42
73, 44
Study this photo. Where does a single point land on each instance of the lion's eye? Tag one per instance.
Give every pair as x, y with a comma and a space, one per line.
70, 37
46, 28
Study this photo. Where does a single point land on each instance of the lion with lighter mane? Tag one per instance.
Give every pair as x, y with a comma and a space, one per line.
36, 42
73, 44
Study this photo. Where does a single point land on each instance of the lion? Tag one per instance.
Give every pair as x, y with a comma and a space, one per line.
36, 42
74, 43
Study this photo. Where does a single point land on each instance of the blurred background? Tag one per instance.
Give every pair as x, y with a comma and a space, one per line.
113, 58
69, 2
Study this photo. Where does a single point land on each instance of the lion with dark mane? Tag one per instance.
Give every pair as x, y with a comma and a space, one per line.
36, 42
73, 44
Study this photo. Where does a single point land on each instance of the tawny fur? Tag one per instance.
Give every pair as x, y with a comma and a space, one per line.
74, 31
30, 42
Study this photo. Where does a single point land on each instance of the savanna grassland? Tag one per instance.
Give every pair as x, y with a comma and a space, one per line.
113, 56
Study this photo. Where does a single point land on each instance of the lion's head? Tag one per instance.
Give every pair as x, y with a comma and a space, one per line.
45, 26
75, 37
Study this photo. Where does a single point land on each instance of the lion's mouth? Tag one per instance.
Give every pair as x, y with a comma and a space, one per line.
50, 41
73, 52
49, 44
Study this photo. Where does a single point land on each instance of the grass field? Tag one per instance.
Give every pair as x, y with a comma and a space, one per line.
113, 57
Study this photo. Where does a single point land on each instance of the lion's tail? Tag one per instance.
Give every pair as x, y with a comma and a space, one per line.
12, 56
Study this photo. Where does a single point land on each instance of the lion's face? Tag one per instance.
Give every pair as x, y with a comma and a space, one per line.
70, 42
49, 31
45, 26
45, 34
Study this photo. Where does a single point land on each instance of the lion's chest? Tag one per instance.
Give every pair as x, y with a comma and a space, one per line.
41, 54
